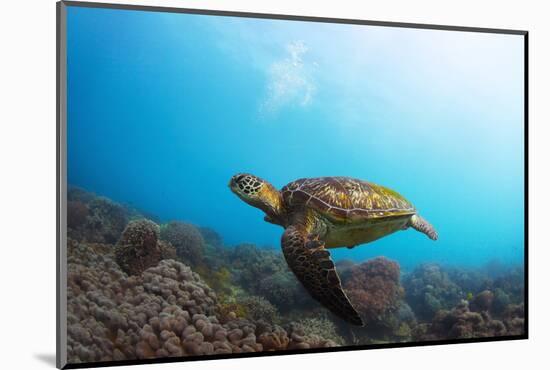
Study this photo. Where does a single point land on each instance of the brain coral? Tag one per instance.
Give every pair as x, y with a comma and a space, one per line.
187, 240
165, 311
373, 287
137, 249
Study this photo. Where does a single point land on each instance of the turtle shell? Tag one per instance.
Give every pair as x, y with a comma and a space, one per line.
345, 199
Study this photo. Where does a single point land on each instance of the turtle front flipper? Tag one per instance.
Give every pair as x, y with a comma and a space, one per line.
311, 263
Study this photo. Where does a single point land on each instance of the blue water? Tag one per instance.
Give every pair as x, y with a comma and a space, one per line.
164, 108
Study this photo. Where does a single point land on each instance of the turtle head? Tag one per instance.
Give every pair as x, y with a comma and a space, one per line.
247, 187
258, 193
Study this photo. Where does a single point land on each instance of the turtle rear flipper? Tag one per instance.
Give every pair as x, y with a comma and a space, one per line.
310, 262
420, 224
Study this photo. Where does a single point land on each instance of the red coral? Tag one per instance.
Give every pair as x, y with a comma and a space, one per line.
373, 288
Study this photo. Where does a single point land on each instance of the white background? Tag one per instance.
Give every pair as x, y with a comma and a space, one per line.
27, 178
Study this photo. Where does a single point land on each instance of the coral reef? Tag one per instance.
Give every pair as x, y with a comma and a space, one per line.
318, 327
264, 272
77, 213
187, 240
92, 218
344, 268
167, 250
470, 280
251, 265
482, 301
461, 322
514, 319
513, 283
137, 249
211, 237
74, 193
106, 221
167, 310
220, 280
282, 289
143, 233
429, 289
374, 289
215, 253
258, 308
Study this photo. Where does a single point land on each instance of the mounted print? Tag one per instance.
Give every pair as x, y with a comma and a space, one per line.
235, 184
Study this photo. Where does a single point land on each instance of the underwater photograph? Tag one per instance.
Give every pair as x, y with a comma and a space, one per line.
251, 185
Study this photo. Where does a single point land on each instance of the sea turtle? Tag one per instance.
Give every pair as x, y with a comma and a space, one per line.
328, 212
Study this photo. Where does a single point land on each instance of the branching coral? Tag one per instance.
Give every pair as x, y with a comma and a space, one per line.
187, 240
